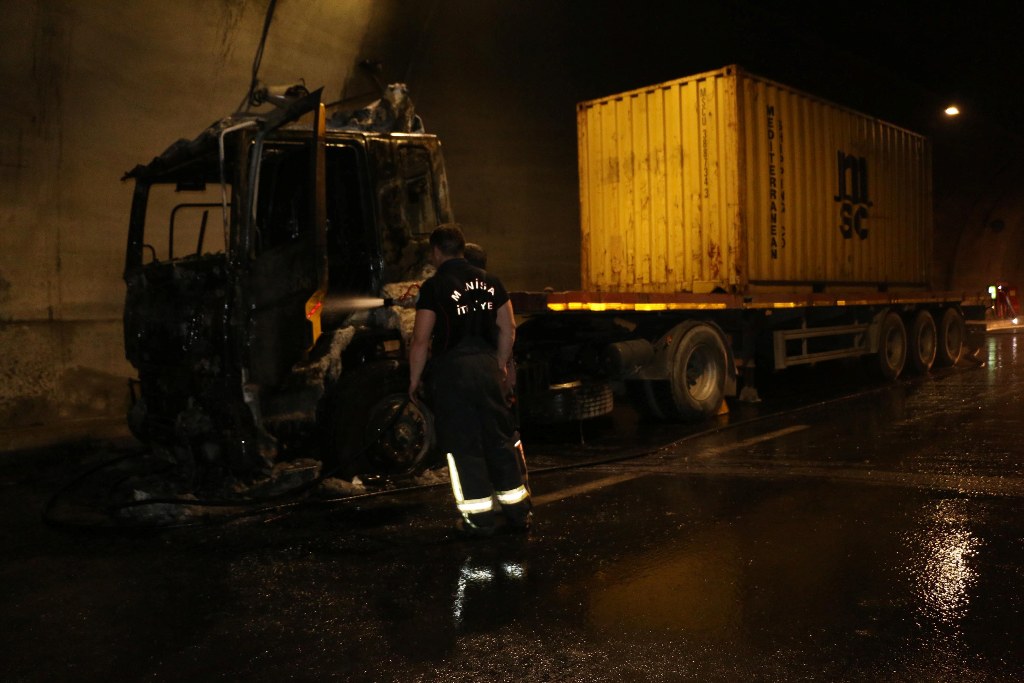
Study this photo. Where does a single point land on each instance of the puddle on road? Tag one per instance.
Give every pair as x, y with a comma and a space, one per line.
942, 567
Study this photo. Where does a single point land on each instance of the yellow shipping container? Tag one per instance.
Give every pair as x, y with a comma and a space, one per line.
725, 181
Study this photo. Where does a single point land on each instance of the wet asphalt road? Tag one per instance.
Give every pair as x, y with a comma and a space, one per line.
874, 533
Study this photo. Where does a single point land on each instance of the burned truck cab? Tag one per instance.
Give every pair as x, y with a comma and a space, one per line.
241, 244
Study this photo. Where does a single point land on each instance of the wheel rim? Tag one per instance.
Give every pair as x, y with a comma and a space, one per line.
397, 433
926, 344
954, 339
951, 336
701, 373
893, 347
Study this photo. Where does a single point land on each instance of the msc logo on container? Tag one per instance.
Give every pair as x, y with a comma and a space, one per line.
853, 195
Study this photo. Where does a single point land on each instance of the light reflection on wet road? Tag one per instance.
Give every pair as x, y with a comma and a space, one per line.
874, 538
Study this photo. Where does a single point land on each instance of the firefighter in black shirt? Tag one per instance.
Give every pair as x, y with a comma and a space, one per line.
464, 319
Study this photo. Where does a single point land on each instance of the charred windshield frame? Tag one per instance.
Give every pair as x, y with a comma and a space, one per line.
223, 173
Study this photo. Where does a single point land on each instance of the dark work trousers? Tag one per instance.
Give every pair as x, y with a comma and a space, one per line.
476, 433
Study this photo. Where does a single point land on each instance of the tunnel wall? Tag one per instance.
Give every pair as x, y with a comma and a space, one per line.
980, 210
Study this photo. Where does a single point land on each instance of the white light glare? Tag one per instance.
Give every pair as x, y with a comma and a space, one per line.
952, 110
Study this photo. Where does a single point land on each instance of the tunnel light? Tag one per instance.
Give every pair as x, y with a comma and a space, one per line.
952, 110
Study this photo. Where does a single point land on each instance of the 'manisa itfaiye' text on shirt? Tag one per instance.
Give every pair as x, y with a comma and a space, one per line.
471, 303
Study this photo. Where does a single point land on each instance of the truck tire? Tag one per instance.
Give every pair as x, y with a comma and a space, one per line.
951, 338
892, 346
922, 343
370, 427
698, 373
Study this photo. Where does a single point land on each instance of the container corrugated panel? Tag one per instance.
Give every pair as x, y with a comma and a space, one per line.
728, 181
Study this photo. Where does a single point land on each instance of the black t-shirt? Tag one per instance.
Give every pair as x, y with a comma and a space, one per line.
465, 300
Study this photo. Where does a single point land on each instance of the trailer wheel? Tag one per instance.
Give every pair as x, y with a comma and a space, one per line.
698, 373
370, 427
922, 342
951, 337
892, 346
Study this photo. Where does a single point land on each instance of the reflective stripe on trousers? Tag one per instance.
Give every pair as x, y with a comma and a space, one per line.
466, 507
513, 496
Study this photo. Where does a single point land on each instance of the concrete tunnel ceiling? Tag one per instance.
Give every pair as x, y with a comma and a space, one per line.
94, 88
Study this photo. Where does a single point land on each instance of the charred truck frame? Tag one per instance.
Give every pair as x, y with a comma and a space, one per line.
256, 253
